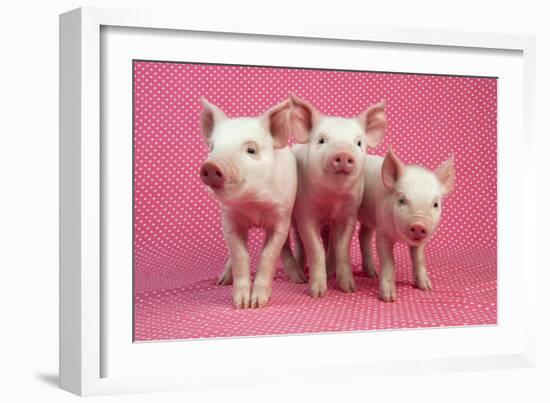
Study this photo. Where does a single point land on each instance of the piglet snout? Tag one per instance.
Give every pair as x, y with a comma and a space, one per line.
212, 174
343, 162
418, 231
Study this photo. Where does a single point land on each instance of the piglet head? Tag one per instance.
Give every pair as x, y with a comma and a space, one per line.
336, 145
415, 196
241, 150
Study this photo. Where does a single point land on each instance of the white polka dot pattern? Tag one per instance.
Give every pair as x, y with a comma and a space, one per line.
178, 243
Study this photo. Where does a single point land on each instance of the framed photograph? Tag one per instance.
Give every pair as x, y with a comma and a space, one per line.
145, 245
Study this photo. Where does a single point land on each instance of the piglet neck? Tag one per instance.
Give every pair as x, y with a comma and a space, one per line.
249, 199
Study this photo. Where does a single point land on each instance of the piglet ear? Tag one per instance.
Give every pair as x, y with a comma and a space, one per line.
446, 175
277, 121
373, 119
392, 169
210, 116
303, 118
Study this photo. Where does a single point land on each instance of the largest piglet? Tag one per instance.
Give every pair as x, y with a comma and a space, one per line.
330, 157
252, 173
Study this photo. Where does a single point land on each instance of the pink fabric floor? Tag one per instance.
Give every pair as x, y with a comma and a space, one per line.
178, 244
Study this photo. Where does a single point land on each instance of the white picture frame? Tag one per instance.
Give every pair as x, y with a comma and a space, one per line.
91, 342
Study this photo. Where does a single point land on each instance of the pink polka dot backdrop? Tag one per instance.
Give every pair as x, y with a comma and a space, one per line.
178, 244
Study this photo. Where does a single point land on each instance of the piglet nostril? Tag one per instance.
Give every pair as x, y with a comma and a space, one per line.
350, 161
204, 172
337, 159
219, 174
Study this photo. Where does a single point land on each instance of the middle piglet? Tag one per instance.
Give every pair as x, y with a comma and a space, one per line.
330, 158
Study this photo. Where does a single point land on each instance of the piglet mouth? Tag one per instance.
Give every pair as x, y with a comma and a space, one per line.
343, 172
416, 239
217, 187
217, 190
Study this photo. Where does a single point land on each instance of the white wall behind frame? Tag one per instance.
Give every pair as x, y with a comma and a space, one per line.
28, 166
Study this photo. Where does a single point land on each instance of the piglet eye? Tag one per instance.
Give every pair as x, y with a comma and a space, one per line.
401, 201
251, 150
322, 140
436, 205
359, 143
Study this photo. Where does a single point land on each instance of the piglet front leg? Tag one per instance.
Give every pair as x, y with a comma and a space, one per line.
236, 237
309, 233
341, 236
421, 279
275, 239
384, 247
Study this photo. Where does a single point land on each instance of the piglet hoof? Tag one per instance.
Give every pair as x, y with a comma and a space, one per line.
370, 271
388, 293
318, 288
260, 296
241, 296
225, 278
423, 283
296, 274
346, 284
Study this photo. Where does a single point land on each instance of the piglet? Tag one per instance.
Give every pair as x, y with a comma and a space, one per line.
251, 172
330, 156
403, 203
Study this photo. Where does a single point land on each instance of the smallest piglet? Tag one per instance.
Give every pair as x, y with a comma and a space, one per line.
402, 203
